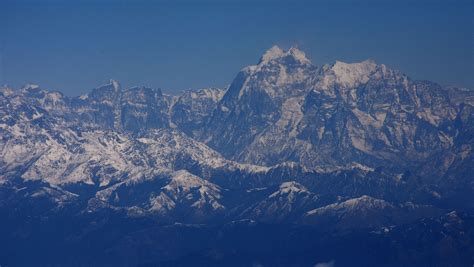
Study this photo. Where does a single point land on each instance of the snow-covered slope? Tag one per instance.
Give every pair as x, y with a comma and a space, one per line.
286, 204
367, 212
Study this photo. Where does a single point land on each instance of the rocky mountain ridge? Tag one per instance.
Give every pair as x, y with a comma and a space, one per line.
287, 137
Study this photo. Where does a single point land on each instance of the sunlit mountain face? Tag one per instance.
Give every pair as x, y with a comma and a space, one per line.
292, 164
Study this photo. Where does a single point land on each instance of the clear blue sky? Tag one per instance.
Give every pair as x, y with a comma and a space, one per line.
175, 45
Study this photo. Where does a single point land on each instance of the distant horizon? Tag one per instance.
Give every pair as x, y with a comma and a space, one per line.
180, 91
75, 47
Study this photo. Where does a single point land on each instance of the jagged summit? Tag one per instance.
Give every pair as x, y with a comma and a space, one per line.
275, 53
275, 75
272, 53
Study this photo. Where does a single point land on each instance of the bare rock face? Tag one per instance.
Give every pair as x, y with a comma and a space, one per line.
191, 110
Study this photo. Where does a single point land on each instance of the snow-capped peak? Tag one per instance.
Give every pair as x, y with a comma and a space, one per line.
291, 187
184, 180
273, 53
276, 53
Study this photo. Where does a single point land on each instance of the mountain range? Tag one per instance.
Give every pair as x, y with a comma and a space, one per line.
342, 152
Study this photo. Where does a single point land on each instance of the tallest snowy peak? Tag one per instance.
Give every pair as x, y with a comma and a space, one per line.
272, 53
276, 53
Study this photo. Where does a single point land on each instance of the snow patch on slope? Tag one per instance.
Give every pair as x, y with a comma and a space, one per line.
349, 75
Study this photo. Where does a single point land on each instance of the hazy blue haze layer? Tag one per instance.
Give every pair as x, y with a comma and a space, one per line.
72, 47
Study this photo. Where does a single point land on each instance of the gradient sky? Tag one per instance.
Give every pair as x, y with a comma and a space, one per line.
176, 45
